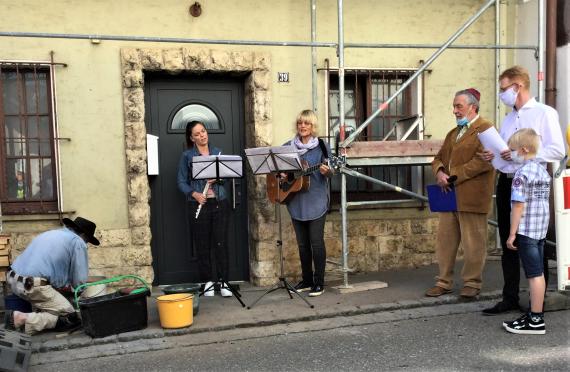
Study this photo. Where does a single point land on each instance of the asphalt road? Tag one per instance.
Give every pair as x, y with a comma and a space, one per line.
416, 339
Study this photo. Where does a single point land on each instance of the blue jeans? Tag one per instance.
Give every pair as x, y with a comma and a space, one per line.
531, 252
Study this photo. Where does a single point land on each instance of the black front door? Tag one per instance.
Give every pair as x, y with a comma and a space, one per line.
170, 103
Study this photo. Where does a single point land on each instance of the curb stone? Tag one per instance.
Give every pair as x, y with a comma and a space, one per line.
146, 334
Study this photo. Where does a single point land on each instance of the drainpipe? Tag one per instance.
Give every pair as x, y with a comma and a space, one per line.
550, 91
541, 39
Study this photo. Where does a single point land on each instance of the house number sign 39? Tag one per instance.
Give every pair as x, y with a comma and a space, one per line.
283, 77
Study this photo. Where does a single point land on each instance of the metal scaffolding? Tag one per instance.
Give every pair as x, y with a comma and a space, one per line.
340, 46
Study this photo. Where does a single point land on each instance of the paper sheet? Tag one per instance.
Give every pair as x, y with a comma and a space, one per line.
492, 141
285, 158
204, 167
152, 154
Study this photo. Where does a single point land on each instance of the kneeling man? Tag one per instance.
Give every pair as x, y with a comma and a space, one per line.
54, 259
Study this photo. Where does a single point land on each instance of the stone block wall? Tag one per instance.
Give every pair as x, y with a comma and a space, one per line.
376, 242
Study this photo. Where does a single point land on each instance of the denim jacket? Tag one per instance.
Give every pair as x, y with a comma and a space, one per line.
188, 185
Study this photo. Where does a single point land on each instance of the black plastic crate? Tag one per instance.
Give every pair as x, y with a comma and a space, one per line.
114, 313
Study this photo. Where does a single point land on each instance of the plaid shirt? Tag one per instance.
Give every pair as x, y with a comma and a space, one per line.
531, 185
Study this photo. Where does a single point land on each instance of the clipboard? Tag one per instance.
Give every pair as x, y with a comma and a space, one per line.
440, 201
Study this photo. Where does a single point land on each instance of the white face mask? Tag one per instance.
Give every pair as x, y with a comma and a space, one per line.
509, 97
516, 158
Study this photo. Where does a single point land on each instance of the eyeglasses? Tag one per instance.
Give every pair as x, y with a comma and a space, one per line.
501, 90
307, 123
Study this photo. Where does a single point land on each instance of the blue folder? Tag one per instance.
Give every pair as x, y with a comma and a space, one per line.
440, 201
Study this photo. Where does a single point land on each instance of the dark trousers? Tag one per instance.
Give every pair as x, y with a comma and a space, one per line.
510, 259
311, 242
209, 234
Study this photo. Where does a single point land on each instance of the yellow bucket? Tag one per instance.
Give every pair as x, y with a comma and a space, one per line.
175, 310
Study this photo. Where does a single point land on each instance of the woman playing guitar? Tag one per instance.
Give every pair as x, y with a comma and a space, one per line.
308, 207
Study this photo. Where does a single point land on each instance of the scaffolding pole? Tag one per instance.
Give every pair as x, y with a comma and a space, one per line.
343, 209
384, 105
314, 54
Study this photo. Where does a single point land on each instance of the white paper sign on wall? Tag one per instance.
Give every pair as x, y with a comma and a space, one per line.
152, 154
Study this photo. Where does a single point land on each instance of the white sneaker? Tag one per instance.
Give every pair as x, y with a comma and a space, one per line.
225, 291
209, 289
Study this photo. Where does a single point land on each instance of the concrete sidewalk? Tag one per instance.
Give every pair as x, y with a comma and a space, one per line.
405, 290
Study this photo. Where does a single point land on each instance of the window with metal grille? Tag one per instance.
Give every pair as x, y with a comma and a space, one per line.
27, 157
365, 91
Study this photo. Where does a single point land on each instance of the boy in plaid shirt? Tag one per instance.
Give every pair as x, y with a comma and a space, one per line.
529, 223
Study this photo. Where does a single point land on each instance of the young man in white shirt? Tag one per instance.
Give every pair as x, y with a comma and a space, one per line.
527, 113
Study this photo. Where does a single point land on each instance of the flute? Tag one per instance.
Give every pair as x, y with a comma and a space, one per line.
205, 193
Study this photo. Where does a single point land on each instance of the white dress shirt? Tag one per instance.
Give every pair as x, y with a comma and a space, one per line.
544, 120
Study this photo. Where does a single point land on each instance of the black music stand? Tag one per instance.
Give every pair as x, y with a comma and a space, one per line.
218, 167
264, 160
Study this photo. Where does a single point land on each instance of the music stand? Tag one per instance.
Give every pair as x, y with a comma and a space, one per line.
218, 167
278, 159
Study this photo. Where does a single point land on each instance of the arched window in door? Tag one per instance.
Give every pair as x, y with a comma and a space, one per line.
195, 112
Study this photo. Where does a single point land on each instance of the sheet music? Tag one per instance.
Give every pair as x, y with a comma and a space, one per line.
492, 141
264, 160
204, 167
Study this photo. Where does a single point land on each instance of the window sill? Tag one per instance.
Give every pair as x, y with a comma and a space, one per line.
36, 217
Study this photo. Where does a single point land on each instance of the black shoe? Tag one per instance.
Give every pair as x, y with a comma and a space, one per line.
303, 287
317, 291
500, 308
9, 320
526, 325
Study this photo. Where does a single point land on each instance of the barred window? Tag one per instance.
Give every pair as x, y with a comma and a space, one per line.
365, 91
27, 156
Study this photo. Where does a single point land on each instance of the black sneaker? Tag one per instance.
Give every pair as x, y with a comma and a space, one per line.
500, 308
316, 291
303, 287
526, 325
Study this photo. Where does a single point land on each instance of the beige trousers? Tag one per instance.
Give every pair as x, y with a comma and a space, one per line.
469, 229
47, 303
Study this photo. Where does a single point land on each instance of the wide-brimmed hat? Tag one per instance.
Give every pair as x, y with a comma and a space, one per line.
82, 225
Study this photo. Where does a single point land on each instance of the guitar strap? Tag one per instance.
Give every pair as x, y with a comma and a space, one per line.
323, 149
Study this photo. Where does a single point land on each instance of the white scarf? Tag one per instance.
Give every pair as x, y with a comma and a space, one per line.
313, 142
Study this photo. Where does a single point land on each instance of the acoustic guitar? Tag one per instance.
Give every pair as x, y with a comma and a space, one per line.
281, 190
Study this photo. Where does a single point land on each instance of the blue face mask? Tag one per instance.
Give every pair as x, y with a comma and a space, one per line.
462, 121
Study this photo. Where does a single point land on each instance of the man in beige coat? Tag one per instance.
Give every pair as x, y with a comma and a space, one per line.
473, 185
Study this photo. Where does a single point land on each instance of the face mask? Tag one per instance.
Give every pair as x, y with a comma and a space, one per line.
509, 97
516, 158
462, 121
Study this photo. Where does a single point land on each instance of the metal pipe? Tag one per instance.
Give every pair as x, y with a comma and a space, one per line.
166, 39
55, 127
36, 63
541, 37
497, 60
314, 54
550, 90
379, 202
384, 105
343, 207
154, 39
437, 46
353, 173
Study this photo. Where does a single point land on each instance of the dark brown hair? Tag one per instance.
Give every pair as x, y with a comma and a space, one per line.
189, 127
